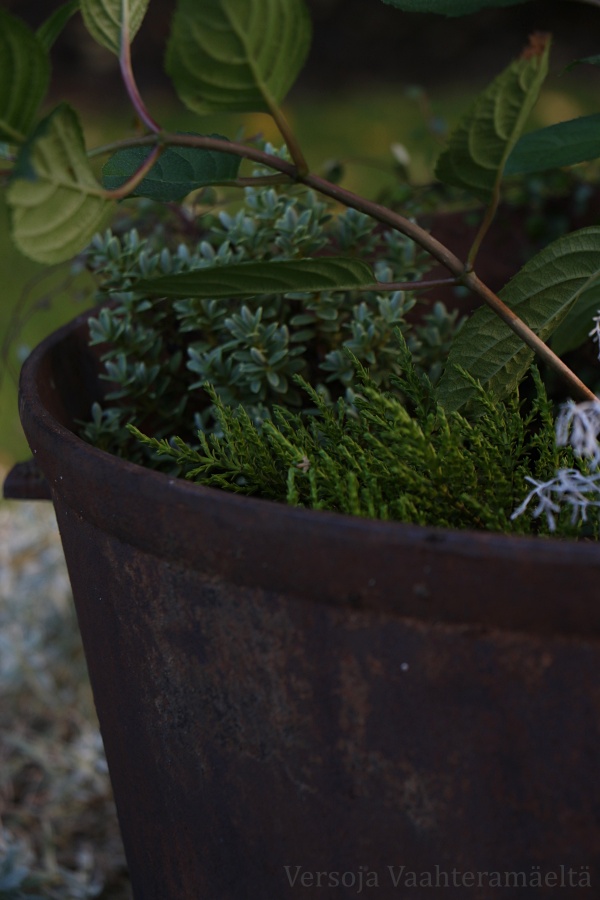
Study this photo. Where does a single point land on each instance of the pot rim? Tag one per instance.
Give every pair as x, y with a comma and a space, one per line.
107, 492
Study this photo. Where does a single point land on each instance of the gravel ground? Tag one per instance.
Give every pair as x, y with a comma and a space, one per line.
59, 837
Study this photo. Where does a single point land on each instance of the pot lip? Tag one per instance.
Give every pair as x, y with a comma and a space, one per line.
182, 490
363, 567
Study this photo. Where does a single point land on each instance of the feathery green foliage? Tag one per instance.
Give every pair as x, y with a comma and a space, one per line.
410, 462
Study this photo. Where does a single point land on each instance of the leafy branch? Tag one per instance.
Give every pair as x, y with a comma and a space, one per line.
385, 216
225, 55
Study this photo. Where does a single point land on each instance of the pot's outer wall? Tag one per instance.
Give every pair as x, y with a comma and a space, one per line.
281, 688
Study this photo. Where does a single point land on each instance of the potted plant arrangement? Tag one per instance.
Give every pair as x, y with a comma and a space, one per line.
387, 678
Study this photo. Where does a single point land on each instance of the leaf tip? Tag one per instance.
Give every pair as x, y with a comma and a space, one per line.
539, 42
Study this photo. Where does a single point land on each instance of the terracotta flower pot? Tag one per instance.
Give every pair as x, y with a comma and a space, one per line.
284, 693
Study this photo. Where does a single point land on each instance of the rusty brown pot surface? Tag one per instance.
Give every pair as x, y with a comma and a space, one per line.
278, 687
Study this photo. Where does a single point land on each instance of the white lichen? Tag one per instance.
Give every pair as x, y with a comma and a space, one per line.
577, 426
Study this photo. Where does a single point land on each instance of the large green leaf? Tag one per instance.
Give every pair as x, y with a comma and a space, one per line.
237, 55
564, 144
56, 21
541, 294
249, 279
24, 76
104, 18
56, 203
449, 7
178, 171
588, 60
576, 327
479, 147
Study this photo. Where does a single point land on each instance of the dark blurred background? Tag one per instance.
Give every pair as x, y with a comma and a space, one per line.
358, 41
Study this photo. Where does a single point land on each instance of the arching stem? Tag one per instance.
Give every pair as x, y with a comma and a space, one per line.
386, 217
127, 72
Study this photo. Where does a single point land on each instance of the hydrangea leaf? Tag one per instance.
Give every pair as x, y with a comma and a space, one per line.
564, 144
481, 144
587, 60
54, 24
56, 203
178, 171
449, 7
250, 279
542, 294
104, 18
24, 76
577, 325
237, 55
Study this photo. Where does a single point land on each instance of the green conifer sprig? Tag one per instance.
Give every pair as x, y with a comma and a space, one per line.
406, 461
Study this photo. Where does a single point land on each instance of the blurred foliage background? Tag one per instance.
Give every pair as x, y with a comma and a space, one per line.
357, 41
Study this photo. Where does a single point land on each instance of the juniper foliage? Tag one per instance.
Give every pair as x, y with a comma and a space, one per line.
387, 459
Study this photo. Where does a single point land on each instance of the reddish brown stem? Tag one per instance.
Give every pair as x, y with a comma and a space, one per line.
387, 217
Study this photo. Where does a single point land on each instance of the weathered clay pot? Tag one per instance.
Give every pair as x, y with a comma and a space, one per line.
284, 693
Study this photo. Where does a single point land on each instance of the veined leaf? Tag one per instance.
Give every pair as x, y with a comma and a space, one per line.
589, 60
56, 203
450, 7
54, 24
577, 325
481, 144
541, 294
103, 19
249, 279
564, 144
178, 171
237, 55
24, 76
